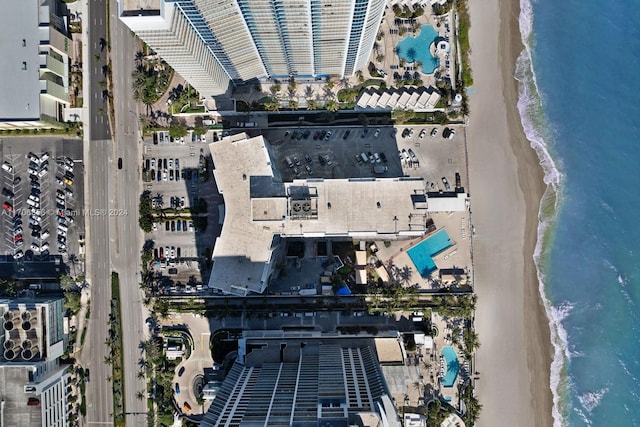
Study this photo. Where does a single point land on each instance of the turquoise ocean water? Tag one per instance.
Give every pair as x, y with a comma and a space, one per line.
580, 106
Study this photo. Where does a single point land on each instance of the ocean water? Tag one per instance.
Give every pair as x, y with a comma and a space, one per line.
580, 107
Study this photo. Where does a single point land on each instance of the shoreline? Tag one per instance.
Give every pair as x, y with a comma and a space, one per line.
516, 353
540, 349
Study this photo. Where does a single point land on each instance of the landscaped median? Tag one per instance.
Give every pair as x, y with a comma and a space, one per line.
115, 357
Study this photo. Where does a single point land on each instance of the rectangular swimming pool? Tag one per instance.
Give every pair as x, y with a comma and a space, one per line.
422, 254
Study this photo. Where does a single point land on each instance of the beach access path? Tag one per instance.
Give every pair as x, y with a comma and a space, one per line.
506, 187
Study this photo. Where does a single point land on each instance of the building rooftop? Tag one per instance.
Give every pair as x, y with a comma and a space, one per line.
305, 378
15, 411
19, 69
259, 208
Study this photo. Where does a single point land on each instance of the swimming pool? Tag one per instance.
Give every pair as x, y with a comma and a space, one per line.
422, 254
413, 49
452, 366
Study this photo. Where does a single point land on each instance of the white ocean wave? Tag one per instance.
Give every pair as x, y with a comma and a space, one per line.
592, 399
532, 118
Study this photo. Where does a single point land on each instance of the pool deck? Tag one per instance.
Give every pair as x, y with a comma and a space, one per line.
456, 256
390, 41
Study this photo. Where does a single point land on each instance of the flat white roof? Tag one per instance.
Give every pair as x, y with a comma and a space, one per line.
258, 206
384, 98
413, 99
364, 99
394, 99
422, 100
404, 98
447, 202
433, 100
373, 101
20, 66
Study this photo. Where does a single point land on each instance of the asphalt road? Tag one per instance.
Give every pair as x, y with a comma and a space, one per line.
97, 156
127, 238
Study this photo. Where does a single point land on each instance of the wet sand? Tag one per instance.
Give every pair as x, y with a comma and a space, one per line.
506, 187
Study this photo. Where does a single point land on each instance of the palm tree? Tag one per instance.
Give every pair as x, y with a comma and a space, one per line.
312, 105
308, 91
345, 83
293, 105
332, 105
140, 375
380, 58
139, 57
66, 283
272, 106
73, 260
140, 395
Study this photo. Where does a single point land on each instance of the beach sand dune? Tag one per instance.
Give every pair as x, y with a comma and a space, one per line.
506, 186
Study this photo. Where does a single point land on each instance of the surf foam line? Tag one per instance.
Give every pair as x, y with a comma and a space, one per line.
530, 107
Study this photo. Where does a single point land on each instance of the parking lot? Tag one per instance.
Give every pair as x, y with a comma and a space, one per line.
357, 152
42, 190
173, 177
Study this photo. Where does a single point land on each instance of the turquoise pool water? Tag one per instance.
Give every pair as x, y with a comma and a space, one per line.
422, 253
452, 366
413, 49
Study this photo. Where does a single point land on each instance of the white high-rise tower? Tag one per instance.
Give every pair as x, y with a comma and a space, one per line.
214, 43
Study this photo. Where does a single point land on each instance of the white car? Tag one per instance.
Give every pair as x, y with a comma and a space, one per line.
170, 163
44, 234
43, 172
45, 156
377, 133
18, 255
434, 132
35, 247
423, 132
68, 168
44, 247
327, 136
153, 162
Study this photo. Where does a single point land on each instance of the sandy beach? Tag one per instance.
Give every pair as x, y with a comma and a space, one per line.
506, 186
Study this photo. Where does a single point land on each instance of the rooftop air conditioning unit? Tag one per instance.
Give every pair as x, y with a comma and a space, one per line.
28, 315
30, 353
12, 353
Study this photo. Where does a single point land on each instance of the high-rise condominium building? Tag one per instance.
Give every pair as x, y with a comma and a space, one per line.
215, 43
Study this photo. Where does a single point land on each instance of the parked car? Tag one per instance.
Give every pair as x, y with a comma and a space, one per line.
434, 132
423, 132
376, 133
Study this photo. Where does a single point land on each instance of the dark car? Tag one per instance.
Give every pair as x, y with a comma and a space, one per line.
16, 180
177, 388
119, 162
346, 134
322, 134
383, 157
7, 193
316, 135
181, 371
364, 133
87, 375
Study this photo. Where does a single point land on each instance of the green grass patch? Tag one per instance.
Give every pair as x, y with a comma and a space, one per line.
116, 358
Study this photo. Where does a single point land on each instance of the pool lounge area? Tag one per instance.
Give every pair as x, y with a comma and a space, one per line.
450, 366
422, 254
418, 48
